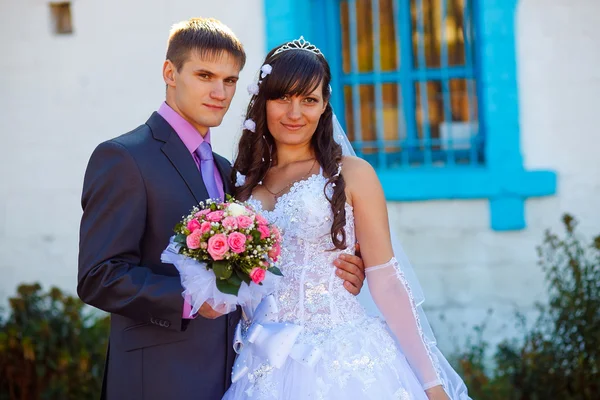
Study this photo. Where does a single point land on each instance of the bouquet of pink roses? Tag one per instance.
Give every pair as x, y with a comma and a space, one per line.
224, 252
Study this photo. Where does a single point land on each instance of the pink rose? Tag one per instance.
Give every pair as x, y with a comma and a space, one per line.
244, 222
237, 242
205, 227
257, 275
193, 225
201, 213
264, 231
215, 216
249, 237
276, 233
193, 240
217, 246
275, 252
230, 223
261, 220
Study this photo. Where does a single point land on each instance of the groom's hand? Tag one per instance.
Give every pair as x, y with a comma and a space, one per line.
352, 270
208, 312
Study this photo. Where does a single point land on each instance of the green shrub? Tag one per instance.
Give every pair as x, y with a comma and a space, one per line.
559, 357
50, 348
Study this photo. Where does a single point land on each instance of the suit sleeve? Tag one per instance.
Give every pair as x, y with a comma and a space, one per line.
110, 276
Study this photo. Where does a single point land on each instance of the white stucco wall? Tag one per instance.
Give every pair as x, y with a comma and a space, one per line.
62, 95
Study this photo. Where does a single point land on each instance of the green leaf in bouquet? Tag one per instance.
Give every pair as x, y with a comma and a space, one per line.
243, 277
178, 227
275, 271
255, 235
234, 280
227, 288
222, 269
180, 238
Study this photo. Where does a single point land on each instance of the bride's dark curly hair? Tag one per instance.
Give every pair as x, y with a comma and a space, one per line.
294, 73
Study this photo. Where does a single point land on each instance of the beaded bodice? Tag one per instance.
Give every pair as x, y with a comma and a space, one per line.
310, 293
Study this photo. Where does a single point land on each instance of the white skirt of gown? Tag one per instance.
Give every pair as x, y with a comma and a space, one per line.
359, 360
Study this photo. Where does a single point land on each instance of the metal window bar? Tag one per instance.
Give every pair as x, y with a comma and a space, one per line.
402, 119
425, 130
353, 74
431, 74
467, 30
450, 159
404, 36
381, 153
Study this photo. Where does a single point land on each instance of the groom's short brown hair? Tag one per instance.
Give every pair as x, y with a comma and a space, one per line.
208, 37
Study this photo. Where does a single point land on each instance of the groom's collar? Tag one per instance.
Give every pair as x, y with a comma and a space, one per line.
190, 137
162, 129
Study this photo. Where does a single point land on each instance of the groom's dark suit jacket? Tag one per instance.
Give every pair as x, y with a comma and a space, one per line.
136, 188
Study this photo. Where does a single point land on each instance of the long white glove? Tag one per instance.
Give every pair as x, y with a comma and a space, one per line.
392, 295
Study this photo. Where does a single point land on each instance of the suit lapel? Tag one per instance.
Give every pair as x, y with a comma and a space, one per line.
180, 157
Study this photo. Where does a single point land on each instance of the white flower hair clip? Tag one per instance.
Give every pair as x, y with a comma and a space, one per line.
253, 89
265, 70
339, 171
250, 125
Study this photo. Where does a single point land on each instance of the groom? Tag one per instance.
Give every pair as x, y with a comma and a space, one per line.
137, 187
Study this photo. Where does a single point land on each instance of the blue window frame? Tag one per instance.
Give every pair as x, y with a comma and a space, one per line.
436, 116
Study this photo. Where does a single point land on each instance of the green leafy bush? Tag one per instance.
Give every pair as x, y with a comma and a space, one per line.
50, 348
559, 357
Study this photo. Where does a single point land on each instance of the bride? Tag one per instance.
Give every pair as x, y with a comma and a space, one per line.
312, 339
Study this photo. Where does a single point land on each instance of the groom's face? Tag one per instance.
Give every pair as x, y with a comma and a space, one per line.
202, 89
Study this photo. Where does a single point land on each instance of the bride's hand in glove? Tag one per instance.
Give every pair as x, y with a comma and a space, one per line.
437, 393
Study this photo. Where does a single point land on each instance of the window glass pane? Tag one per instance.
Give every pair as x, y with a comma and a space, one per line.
455, 35
390, 113
434, 111
436, 27
345, 24
387, 36
364, 16
367, 118
349, 113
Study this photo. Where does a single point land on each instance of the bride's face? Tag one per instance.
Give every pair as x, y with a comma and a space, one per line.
292, 120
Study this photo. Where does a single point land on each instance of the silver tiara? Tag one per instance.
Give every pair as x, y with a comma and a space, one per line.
299, 44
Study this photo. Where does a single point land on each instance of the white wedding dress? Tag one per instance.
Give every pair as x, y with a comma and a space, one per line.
352, 355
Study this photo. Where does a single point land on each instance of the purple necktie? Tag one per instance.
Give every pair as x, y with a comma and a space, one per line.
207, 168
